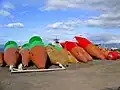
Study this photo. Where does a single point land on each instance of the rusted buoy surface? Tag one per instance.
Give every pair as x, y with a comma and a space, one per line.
94, 51
89, 47
25, 53
1, 58
11, 53
57, 55
38, 52
39, 56
85, 54
78, 54
11, 56
71, 58
77, 51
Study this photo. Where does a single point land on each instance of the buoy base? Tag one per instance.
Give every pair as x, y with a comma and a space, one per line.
20, 70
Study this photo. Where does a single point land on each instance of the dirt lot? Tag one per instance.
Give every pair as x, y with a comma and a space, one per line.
92, 76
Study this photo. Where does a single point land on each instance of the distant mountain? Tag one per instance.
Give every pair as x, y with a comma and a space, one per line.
2, 48
111, 45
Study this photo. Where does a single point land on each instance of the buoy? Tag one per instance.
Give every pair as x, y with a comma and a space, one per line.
38, 52
57, 54
89, 47
112, 55
11, 54
104, 52
76, 51
25, 53
1, 58
72, 59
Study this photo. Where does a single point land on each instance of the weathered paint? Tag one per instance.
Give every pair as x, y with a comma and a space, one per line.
94, 51
77, 51
39, 56
57, 55
78, 54
11, 56
72, 59
1, 58
88, 57
90, 47
25, 53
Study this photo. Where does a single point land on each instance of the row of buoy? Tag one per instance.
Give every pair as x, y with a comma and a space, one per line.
34, 50
84, 50
38, 52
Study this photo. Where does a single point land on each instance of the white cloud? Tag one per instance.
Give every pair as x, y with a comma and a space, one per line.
57, 29
24, 5
110, 17
103, 5
5, 13
68, 33
35, 34
65, 30
24, 12
55, 25
62, 4
105, 38
82, 4
112, 41
65, 25
4, 9
13, 25
106, 20
7, 5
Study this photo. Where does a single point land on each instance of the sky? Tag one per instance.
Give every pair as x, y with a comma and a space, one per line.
97, 20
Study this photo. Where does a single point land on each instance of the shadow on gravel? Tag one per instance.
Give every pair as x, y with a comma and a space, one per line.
1, 88
117, 88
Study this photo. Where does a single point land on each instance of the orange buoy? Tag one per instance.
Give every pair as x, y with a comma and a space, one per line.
89, 47
89, 58
11, 54
112, 55
25, 53
1, 58
57, 55
72, 59
77, 51
38, 52
105, 52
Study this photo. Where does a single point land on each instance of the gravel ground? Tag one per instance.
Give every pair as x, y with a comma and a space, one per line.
92, 76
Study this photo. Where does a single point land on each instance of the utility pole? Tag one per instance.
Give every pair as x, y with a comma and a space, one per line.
56, 41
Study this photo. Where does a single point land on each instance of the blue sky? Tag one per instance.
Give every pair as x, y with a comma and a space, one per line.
19, 20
